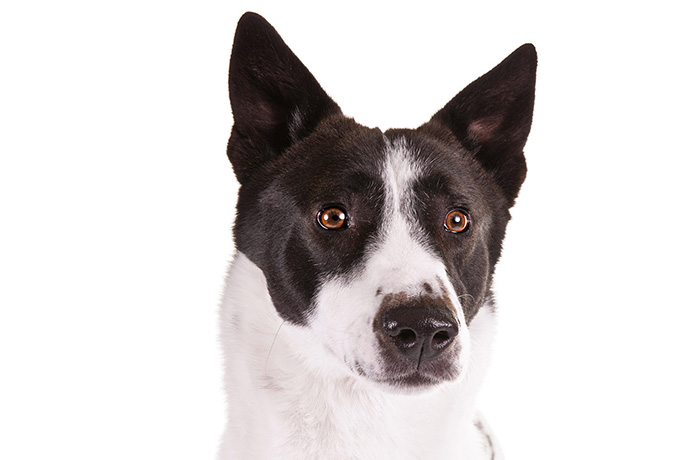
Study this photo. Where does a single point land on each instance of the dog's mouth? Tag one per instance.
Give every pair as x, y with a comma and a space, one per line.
415, 381
397, 374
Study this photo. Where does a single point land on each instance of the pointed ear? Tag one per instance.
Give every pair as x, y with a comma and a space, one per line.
275, 100
492, 118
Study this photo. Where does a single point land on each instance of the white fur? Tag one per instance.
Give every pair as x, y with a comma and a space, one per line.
294, 392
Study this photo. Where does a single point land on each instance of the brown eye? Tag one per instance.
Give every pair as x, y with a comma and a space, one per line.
333, 218
457, 221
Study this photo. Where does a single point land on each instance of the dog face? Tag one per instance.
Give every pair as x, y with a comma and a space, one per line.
379, 247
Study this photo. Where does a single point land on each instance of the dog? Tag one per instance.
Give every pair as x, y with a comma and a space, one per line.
358, 312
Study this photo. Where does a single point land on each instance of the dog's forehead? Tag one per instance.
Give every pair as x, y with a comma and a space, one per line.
345, 159
339, 156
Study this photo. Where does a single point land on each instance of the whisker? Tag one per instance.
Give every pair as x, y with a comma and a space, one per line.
271, 347
466, 295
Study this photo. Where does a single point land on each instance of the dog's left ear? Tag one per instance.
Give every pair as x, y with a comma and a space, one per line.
492, 118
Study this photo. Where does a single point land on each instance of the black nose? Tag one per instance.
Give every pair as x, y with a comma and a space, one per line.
420, 333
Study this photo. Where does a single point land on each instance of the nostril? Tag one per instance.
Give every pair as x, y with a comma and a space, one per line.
407, 336
441, 338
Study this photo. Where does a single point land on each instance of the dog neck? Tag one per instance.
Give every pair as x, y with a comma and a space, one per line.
282, 405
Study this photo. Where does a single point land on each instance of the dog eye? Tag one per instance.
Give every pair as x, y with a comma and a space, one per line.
332, 218
457, 221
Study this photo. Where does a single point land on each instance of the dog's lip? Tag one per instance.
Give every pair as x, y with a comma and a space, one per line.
413, 380
428, 375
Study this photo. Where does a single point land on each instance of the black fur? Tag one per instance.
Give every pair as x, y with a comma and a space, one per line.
294, 153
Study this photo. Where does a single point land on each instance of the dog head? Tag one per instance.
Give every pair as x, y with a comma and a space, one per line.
378, 246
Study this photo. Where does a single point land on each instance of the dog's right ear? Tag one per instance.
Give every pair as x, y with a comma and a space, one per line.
275, 100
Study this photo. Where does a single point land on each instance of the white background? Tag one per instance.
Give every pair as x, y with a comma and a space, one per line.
116, 202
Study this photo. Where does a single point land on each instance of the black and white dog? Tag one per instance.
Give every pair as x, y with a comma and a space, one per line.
358, 315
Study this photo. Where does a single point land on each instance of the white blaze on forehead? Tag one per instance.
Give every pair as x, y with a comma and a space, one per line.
400, 171
401, 261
